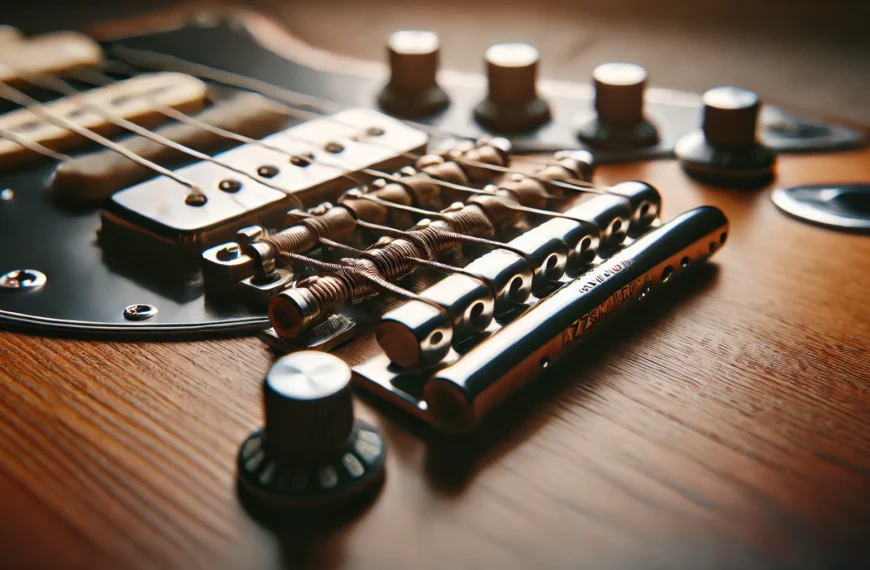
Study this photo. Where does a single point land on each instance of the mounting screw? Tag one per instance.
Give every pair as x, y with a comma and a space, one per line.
22, 279
268, 171
139, 312
230, 185
228, 252
300, 160
196, 199
333, 147
7, 194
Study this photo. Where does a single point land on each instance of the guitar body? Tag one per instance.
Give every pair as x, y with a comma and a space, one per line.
723, 425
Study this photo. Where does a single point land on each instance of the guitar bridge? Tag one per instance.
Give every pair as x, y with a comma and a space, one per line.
460, 390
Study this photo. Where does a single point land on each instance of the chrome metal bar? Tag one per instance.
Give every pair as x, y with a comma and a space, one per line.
461, 393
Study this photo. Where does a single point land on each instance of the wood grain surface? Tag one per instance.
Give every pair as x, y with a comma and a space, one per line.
726, 425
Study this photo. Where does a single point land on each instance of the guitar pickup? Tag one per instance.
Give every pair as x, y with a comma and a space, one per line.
255, 184
123, 99
57, 53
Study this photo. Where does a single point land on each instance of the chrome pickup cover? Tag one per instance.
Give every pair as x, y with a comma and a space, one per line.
157, 207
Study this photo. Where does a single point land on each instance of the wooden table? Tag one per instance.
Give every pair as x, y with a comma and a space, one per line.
725, 426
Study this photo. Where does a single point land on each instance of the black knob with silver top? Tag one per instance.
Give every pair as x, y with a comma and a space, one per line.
726, 150
619, 122
312, 453
512, 103
413, 89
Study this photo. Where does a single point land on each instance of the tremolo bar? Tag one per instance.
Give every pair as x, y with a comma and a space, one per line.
457, 395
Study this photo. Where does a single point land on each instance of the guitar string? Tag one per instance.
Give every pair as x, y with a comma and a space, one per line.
40, 110
250, 84
32, 145
63, 87
28, 102
160, 61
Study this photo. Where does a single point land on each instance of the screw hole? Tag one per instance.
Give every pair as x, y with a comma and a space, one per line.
374, 131
644, 209
545, 361
616, 226
515, 286
684, 263
333, 147
476, 310
722, 237
552, 264
645, 291
436, 338
666, 273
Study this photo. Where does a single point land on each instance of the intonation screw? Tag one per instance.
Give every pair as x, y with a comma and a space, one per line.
228, 252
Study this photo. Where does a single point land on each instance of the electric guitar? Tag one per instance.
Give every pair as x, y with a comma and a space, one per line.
475, 316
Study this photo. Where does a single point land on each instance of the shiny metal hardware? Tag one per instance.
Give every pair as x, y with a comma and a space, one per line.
843, 207
247, 236
139, 312
261, 291
416, 334
509, 275
461, 390
611, 214
224, 266
155, 210
22, 279
335, 330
